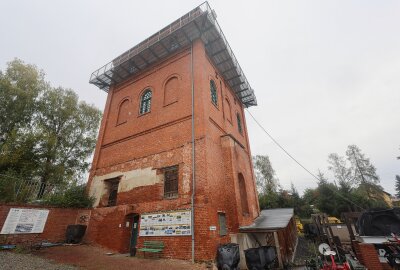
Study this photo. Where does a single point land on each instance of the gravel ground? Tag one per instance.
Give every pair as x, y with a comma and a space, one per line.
306, 249
96, 258
12, 260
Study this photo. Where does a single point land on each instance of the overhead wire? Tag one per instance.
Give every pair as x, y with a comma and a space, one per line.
298, 163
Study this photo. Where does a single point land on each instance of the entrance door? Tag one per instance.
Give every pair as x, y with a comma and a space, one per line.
134, 235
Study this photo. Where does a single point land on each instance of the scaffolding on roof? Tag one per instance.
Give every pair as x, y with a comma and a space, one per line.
198, 23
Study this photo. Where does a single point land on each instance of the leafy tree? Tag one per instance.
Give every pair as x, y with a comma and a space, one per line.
267, 184
68, 130
265, 174
342, 173
20, 87
46, 134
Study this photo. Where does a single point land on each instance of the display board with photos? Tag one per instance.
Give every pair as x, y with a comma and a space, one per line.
22, 220
176, 223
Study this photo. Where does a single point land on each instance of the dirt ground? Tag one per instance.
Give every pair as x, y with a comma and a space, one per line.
90, 257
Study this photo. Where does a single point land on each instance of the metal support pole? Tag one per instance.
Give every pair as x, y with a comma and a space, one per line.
193, 151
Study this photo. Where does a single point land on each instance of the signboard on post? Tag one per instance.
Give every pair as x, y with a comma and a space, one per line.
177, 223
21, 220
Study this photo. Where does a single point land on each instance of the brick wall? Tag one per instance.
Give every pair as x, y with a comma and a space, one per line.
54, 230
162, 138
368, 256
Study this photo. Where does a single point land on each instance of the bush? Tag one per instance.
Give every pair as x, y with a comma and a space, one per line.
74, 197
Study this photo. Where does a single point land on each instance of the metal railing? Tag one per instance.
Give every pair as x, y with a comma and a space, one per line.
178, 24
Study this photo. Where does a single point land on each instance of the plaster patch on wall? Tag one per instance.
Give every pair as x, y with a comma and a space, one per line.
186, 170
129, 180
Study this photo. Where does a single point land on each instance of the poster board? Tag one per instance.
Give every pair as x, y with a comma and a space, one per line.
21, 220
177, 223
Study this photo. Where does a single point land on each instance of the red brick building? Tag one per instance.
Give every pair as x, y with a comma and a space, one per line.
180, 87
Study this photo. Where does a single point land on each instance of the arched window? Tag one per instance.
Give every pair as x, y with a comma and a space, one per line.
145, 102
171, 90
239, 122
228, 113
213, 91
243, 194
123, 112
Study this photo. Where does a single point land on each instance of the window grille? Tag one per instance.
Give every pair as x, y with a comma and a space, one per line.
171, 182
145, 103
214, 95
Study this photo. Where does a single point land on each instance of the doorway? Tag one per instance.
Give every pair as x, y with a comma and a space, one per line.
134, 234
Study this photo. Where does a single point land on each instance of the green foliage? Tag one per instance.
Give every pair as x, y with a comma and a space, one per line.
46, 133
361, 167
355, 187
74, 196
270, 194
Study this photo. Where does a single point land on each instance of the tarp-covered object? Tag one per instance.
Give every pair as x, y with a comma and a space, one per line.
228, 257
379, 222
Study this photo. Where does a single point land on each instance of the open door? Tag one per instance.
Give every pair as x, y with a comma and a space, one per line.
134, 235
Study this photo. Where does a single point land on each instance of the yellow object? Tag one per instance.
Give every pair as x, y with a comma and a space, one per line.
333, 220
299, 226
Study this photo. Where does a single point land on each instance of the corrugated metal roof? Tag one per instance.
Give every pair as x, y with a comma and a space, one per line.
271, 219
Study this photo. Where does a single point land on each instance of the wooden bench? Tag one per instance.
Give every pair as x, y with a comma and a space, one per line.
152, 247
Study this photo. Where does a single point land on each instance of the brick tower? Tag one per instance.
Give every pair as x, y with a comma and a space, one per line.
181, 87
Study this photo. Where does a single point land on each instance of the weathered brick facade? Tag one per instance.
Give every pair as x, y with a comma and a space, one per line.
136, 147
54, 230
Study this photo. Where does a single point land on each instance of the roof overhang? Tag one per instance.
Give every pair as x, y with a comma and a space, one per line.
270, 220
200, 23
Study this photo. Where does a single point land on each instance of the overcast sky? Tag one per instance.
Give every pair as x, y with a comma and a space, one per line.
326, 73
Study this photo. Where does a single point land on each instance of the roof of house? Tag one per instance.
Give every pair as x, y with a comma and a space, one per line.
200, 23
271, 219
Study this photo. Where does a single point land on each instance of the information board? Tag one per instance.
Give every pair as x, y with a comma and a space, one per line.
177, 223
20, 220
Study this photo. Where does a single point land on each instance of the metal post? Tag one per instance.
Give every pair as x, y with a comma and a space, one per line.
193, 151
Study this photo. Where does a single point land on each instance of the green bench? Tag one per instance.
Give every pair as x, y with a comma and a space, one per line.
152, 247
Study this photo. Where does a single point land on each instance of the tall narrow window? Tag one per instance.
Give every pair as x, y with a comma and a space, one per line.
222, 224
243, 195
145, 102
171, 182
228, 113
239, 122
123, 112
171, 90
213, 91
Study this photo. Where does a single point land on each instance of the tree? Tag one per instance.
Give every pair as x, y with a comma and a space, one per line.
46, 134
267, 184
20, 87
340, 170
265, 174
363, 171
67, 130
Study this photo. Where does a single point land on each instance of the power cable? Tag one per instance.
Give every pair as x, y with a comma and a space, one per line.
298, 163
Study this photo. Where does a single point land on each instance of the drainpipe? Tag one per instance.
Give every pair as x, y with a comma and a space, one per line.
193, 152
